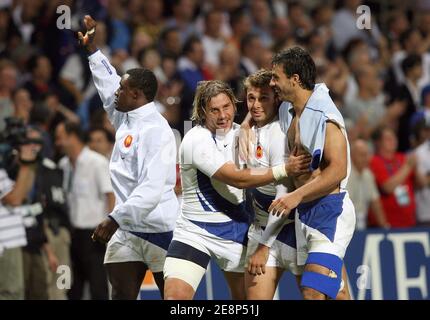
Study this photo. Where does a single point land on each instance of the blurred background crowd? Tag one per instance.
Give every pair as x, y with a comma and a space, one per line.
379, 78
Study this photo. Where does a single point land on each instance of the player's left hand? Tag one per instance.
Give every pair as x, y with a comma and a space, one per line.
87, 40
105, 230
257, 262
284, 205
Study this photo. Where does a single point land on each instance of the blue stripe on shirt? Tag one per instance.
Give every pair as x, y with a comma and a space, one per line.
262, 200
219, 203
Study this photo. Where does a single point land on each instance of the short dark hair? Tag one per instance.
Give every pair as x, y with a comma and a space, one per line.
165, 32
33, 62
259, 79
410, 62
247, 39
189, 44
350, 47
40, 114
418, 127
142, 53
379, 131
143, 80
109, 136
237, 14
75, 129
405, 35
297, 61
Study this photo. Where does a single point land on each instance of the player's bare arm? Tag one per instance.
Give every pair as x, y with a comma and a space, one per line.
249, 178
335, 158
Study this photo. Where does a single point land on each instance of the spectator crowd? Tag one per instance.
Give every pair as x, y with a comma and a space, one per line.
379, 79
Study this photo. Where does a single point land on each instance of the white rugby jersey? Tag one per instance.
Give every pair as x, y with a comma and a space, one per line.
143, 162
206, 199
269, 150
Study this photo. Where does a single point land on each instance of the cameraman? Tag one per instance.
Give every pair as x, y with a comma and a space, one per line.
12, 233
38, 253
50, 193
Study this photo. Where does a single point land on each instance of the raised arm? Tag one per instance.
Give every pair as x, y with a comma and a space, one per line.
105, 77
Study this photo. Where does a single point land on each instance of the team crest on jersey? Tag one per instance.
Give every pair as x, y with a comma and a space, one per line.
259, 152
127, 141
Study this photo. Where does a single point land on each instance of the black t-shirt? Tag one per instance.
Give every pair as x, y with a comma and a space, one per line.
48, 191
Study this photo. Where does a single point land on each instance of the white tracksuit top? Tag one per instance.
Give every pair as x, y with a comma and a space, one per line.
142, 166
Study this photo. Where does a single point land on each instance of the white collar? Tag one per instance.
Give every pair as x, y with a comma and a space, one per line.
85, 150
318, 87
142, 111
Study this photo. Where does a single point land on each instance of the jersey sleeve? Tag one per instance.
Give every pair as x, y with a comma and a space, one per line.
205, 155
107, 81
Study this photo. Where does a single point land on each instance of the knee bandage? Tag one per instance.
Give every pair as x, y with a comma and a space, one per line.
184, 270
186, 263
328, 284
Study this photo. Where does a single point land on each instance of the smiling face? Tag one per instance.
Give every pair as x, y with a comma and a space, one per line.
284, 87
262, 104
219, 113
